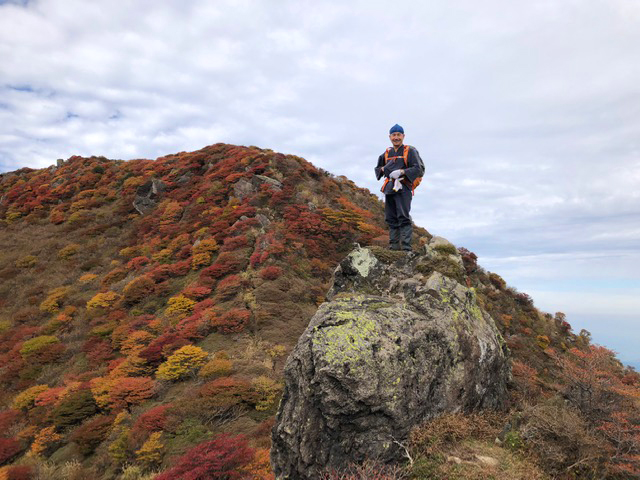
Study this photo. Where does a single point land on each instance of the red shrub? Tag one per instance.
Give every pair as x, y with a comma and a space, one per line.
184, 252
233, 321
180, 269
9, 448
270, 273
229, 287
160, 273
137, 263
233, 243
7, 419
49, 397
92, 433
19, 472
153, 420
469, 259
220, 458
97, 351
47, 354
203, 305
225, 264
197, 292
163, 346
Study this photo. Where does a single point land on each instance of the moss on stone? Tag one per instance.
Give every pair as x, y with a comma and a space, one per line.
388, 256
446, 249
442, 264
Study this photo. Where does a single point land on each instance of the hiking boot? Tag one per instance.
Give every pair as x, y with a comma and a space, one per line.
394, 239
406, 232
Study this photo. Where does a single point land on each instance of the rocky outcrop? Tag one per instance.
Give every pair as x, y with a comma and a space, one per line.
243, 187
397, 343
147, 196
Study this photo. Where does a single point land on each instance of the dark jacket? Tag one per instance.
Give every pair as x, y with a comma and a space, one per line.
411, 171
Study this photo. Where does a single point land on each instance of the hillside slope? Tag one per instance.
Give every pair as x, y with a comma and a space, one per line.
146, 307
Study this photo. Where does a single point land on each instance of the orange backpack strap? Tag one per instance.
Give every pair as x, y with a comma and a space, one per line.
405, 155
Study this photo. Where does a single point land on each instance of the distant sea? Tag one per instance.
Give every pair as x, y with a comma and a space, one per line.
619, 333
635, 364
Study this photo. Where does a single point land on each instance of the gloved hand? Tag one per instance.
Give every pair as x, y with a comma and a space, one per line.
397, 185
396, 174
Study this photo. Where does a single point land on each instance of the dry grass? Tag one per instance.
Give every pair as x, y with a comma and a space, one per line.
459, 446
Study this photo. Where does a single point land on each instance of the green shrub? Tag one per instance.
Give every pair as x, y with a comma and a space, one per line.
447, 249
33, 345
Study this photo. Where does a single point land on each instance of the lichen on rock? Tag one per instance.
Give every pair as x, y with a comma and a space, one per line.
390, 349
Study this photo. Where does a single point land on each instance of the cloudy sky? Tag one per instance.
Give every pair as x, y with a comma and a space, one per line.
527, 114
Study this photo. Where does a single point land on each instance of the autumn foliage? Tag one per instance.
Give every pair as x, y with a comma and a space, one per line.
224, 457
103, 308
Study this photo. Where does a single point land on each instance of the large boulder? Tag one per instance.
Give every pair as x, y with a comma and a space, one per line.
148, 195
398, 343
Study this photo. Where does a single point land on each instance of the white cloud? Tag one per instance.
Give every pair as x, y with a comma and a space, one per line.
526, 114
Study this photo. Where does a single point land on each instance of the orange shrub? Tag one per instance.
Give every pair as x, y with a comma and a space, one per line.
129, 391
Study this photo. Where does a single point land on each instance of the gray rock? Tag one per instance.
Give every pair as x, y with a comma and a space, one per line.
391, 349
243, 188
268, 180
264, 221
147, 195
439, 241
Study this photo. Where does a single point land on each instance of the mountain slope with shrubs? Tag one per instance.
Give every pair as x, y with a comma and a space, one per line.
147, 307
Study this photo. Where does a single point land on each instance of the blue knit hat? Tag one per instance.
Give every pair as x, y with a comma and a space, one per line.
396, 128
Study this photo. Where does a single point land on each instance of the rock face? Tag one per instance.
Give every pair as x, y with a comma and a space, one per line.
147, 196
397, 344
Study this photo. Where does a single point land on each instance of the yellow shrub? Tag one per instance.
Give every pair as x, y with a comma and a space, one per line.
87, 277
78, 217
179, 241
11, 217
183, 362
179, 307
208, 245
68, 251
267, 391
218, 367
201, 233
130, 252
27, 261
52, 303
162, 256
132, 182
151, 452
5, 325
24, 400
200, 260
103, 301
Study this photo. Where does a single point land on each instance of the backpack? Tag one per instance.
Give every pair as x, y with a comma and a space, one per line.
405, 156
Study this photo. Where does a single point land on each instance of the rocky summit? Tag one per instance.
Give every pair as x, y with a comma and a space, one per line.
400, 340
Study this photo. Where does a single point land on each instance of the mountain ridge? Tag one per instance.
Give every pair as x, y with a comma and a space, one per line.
129, 340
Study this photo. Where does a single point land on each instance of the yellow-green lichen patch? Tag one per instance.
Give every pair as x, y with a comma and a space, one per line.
349, 342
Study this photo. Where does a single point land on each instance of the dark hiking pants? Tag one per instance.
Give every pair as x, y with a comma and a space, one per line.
396, 212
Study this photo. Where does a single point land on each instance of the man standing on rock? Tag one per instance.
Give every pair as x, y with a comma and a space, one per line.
403, 169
